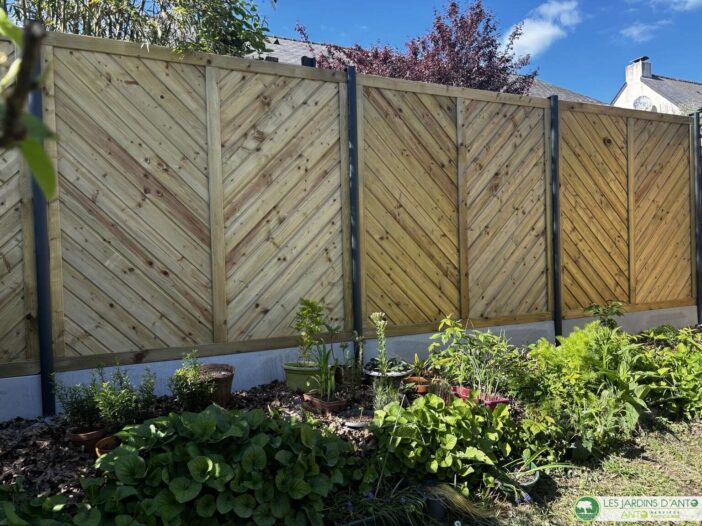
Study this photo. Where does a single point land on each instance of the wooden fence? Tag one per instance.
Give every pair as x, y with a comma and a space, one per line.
201, 196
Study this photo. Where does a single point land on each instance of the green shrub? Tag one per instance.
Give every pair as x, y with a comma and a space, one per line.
459, 441
676, 355
79, 403
469, 358
587, 394
220, 467
192, 391
120, 403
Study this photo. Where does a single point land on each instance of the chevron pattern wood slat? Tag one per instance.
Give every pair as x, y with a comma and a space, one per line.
594, 211
503, 196
662, 215
282, 201
410, 214
17, 302
134, 203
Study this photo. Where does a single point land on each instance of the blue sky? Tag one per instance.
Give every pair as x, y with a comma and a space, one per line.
583, 45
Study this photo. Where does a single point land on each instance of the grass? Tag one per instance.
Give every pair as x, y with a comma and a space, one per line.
666, 461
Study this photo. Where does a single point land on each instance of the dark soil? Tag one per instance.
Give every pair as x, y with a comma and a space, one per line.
39, 450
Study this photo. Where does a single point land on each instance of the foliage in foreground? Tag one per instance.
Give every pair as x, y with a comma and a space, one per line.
226, 27
220, 467
459, 442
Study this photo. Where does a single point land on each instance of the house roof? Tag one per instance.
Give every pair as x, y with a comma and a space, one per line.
291, 51
685, 94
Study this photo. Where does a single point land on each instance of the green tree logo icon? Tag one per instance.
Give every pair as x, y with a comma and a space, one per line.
587, 508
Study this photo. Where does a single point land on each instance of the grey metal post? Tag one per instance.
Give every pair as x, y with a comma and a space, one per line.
697, 174
556, 211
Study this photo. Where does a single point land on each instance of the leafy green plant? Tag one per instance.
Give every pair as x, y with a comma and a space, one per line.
192, 391
380, 323
587, 395
19, 509
385, 391
605, 313
418, 365
458, 442
325, 377
19, 129
220, 467
121, 403
309, 324
79, 403
474, 359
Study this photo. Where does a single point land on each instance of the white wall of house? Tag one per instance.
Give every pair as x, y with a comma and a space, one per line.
635, 88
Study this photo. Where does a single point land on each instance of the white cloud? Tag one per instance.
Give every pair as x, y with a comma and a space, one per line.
680, 5
641, 32
547, 23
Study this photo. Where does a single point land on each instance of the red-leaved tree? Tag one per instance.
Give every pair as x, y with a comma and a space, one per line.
463, 48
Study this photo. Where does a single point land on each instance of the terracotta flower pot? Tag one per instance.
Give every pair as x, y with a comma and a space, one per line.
105, 445
222, 376
322, 406
85, 438
421, 384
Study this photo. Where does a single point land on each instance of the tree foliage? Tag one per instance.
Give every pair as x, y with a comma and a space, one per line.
225, 27
463, 48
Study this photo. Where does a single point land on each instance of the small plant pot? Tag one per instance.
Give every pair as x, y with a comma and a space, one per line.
492, 401
222, 376
461, 392
298, 375
421, 384
394, 375
85, 438
322, 406
106, 444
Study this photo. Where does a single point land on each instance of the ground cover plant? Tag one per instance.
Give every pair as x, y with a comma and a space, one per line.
578, 413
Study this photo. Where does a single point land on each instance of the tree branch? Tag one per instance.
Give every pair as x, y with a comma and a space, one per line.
13, 130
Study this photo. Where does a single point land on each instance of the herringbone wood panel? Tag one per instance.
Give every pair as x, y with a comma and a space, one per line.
662, 263
410, 214
134, 203
503, 196
594, 211
282, 201
16, 299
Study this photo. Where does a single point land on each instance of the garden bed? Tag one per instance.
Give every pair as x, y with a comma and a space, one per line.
39, 451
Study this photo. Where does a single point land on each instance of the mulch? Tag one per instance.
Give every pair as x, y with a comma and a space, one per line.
38, 451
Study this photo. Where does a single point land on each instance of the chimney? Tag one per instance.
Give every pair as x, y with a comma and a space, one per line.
639, 67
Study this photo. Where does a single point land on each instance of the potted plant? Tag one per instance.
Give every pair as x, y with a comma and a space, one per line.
382, 366
309, 323
121, 403
79, 404
417, 378
323, 399
196, 386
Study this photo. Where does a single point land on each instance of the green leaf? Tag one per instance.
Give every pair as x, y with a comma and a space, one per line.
299, 489
254, 458
308, 436
11, 515
40, 164
206, 506
450, 441
36, 129
473, 453
129, 467
262, 516
284, 457
280, 506
225, 502
244, 505
321, 485
10, 75
200, 468
184, 489
87, 518
10, 30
